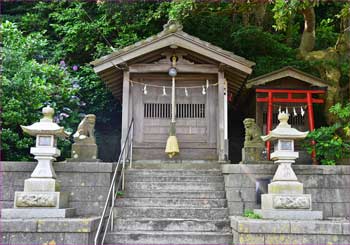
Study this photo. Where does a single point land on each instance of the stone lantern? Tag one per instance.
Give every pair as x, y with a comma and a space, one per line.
41, 197
46, 133
286, 198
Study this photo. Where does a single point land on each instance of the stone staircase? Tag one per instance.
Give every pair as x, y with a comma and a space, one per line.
172, 204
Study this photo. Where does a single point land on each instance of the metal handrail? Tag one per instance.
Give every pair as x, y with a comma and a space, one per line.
124, 156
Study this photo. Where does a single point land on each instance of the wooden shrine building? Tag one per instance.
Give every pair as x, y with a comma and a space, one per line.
138, 76
287, 89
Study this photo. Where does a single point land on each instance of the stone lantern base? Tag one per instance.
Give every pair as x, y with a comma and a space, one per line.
288, 206
291, 214
286, 198
31, 213
40, 199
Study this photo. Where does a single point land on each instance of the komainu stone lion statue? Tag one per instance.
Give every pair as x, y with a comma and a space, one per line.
86, 130
84, 147
252, 133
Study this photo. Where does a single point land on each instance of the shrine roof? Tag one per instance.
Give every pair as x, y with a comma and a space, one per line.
172, 35
287, 71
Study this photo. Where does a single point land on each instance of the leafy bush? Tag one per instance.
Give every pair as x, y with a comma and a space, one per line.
250, 214
342, 113
332, 142
120, 194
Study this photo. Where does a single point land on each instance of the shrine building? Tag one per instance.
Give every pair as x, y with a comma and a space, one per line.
287, 89
206, 75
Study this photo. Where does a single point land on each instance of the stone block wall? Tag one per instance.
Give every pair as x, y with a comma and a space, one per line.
328, 185
268, 232
71, 231
86, 182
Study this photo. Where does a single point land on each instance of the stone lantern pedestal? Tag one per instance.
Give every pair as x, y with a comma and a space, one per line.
41, 197
286, 198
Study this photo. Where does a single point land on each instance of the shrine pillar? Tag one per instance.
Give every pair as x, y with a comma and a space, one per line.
221, 116
125, 105
310, 113
269, 122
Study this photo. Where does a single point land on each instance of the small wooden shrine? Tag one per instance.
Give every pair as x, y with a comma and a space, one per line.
290, 90
139, 76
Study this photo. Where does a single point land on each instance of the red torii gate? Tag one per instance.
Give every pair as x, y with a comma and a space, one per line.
288, 85
270, 99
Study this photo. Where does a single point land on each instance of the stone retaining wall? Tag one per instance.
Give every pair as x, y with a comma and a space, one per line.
86, 182
73, 231
256, 231
328, 185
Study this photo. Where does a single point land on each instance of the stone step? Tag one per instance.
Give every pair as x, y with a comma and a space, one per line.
190, 165
177, 194
151, 237
170, 202
175, 186
172, 212
203, 179
172, 225
172, 172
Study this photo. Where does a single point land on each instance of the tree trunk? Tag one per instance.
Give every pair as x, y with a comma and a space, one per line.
245, 19
307, 43
259, 13
328, 60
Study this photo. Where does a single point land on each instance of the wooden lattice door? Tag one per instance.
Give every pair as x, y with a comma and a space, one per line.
195, 117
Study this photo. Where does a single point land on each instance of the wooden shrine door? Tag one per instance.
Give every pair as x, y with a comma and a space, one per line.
195, 121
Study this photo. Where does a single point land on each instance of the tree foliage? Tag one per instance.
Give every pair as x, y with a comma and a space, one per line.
28, 83
332, 142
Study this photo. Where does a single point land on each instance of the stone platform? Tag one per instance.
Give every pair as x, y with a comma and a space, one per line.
51, 231
291, 214
258, 231
29, 213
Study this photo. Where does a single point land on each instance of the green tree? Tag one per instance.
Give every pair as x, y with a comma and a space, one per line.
28, 83
332, 62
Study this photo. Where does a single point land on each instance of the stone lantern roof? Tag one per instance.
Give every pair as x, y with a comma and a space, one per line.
284, 130
46, 125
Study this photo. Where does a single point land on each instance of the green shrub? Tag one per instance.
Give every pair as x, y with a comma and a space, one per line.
120, 194
332, 142
250, 214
